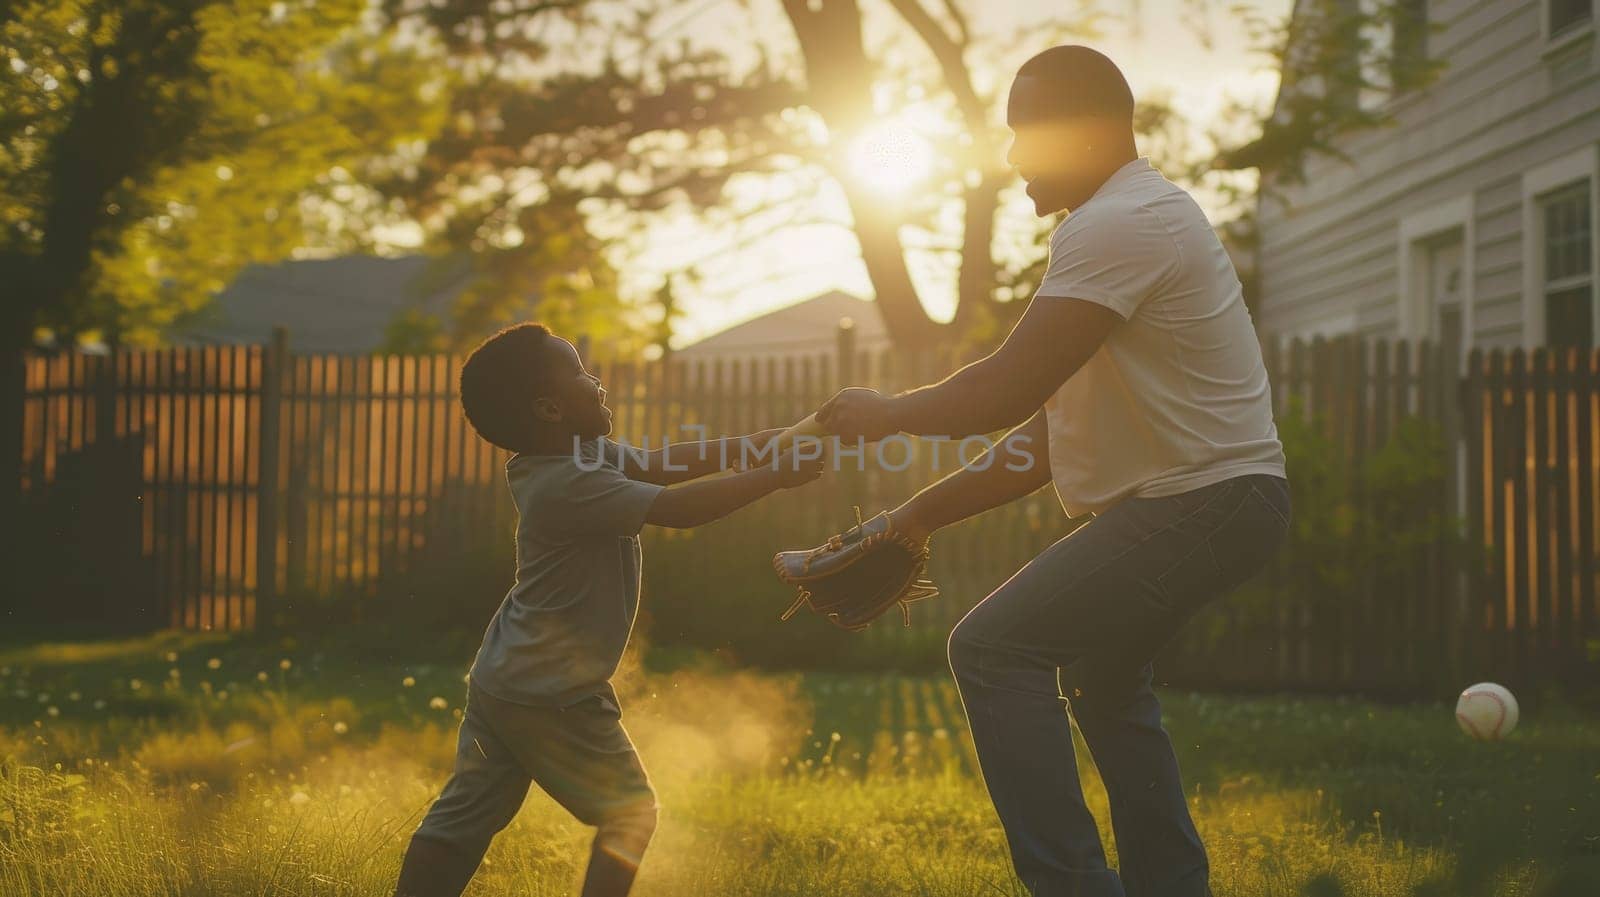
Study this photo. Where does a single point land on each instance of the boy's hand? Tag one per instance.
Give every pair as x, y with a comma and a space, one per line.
793, 470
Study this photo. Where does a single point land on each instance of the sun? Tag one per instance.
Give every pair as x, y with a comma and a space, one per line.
890, 157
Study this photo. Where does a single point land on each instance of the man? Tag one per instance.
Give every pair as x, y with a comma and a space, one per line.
1136, 365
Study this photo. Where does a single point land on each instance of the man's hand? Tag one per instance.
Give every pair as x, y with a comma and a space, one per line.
859, 412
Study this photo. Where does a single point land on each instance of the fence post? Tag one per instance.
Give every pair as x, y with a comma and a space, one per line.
1451, 398
13, 404
273, 363
847, 353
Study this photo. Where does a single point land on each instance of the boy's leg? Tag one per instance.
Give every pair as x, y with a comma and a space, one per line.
482, 796
618, 848
582, 757
1118, 587
434, 869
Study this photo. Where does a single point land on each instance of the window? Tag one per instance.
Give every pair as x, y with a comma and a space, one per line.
1435, 261
1568, 234
1566, 15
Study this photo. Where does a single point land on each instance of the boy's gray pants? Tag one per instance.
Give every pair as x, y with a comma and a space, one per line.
580, 755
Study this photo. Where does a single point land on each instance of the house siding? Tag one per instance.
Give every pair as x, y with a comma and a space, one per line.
1329, 251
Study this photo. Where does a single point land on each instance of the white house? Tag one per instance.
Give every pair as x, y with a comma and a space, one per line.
1470, 220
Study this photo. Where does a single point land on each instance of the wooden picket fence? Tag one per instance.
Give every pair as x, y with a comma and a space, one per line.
242, 486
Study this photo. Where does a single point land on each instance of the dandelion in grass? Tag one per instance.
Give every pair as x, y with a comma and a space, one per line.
284, 664
174, 674
135, 684
74, 696
261, 676
339, 728
222, 695
214, 663
99, 705
299, 797
53, 710
172, 657
408, 681
438, 703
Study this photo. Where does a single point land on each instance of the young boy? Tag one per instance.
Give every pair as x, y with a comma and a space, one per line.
540, 707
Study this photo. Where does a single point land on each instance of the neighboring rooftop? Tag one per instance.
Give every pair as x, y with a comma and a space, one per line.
341, 304
805, 328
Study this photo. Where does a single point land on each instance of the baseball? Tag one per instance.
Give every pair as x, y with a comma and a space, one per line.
1486, 711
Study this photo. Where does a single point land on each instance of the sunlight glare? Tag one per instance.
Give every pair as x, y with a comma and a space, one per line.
890, 157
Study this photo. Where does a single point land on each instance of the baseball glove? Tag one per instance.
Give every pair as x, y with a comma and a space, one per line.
856, 576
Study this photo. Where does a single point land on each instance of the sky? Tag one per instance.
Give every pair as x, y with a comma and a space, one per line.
742, 275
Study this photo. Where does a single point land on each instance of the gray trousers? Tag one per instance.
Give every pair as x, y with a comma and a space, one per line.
1082, 621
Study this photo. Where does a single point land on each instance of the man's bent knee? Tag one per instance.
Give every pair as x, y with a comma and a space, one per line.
964, 648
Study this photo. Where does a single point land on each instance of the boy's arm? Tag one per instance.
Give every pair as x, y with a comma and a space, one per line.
683, 461
694, 504
1017, 466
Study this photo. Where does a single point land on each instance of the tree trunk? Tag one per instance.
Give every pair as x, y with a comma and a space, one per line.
14, 338
839, 79
975, 281
885, 258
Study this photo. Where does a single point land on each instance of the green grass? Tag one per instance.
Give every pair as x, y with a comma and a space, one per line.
223, 771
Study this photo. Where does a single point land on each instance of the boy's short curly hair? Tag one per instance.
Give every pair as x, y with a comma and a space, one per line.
499, 382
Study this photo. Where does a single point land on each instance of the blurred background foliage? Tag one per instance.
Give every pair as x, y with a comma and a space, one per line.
149, 149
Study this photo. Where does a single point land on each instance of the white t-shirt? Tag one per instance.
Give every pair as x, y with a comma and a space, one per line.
1177, 396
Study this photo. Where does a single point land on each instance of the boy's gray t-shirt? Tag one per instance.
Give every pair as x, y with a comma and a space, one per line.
559, 635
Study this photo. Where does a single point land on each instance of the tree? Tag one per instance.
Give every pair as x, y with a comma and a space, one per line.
1339, 62
647, 123
610, 109
150, 148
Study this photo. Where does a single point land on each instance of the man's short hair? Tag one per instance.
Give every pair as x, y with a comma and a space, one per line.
1077, 82
499, 382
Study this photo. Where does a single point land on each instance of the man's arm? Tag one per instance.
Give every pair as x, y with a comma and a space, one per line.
688, 505
683, 461
1054, 338
1017, 466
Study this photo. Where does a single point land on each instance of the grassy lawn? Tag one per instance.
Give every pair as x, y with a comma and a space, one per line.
178, 764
